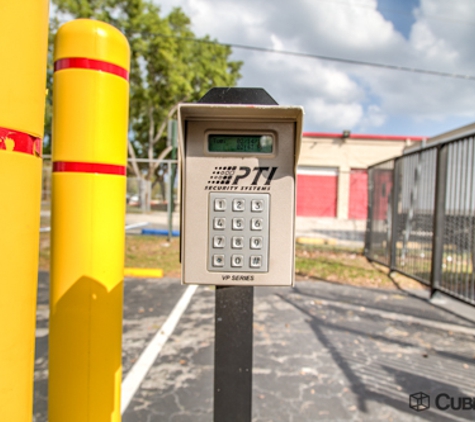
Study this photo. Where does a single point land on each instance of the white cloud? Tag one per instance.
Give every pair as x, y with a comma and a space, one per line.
328, 116
429, 46
372, 118
452, 27
339, 96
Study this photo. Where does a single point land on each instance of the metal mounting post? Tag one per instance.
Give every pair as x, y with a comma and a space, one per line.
234, 309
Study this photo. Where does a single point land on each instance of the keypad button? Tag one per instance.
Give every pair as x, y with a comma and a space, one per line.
256, 243
220, 204
257, 205
239, 204
238, 223
218, 242
237, 261
256, 224
237, 242
255, 261
218, 260
219, 223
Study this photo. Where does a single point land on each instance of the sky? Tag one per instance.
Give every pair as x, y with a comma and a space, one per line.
436, 35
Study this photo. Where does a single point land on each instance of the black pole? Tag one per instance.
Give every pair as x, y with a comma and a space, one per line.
234, 309
394, 214
233, 354
439, 218
369, 218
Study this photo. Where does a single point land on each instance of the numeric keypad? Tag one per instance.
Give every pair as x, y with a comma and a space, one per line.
238, 232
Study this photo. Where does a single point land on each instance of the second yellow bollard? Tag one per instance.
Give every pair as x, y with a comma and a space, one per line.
88, 218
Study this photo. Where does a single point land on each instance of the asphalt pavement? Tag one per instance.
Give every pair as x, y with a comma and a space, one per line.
322, 352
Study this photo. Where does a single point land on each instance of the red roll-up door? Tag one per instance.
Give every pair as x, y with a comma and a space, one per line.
317, 189
358, 207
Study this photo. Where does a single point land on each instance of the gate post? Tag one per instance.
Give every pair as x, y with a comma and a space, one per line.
439, 218
394, 215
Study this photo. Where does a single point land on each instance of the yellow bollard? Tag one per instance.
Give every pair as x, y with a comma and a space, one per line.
23, 48
88, 218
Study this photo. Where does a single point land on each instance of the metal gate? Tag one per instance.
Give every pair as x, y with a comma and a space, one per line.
421, 216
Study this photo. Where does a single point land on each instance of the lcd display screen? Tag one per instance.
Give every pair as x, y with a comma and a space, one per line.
246, 144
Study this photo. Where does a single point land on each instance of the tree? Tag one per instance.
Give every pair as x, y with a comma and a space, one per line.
168, 66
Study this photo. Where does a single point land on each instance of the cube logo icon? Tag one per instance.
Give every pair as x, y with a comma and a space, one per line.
419, 401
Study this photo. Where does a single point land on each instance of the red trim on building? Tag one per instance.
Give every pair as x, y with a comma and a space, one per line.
77, 167
363, 136
91, 64
22, 142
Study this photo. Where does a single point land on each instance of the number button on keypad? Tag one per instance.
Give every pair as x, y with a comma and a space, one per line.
256, 243
238, 223
237, 260
218, 242
257, 205
237, 242
220, 204
256, 223
239, 205
219, 223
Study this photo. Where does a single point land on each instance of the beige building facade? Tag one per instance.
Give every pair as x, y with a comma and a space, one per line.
333, 167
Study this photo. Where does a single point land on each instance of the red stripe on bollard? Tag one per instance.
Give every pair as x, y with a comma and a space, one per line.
12, 140
76, 167
91, 64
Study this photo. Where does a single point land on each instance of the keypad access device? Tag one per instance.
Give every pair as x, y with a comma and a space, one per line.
238, 167
238, 232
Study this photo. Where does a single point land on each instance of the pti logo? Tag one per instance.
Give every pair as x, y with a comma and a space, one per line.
222, 175
232, 175
419, 401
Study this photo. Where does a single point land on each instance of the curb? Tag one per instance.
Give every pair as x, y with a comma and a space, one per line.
143, 272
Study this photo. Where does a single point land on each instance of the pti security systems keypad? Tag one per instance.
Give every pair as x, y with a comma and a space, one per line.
238, 231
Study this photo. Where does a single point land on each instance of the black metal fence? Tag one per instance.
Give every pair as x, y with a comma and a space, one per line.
421, 216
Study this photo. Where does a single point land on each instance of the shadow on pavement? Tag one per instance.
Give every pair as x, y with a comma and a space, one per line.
369, 378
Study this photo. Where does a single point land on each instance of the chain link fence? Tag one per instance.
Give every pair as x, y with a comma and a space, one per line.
421, 216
